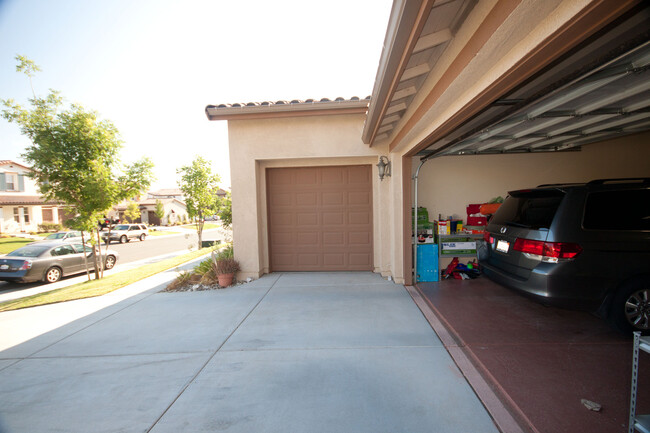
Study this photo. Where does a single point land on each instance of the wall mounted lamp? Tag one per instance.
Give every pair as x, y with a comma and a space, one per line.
384, 167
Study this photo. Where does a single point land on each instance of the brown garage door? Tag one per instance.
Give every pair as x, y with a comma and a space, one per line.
320, 218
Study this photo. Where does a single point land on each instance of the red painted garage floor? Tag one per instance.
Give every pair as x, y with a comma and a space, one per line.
542, 360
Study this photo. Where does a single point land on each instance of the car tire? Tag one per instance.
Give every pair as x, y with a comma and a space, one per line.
110, 262
142, 237
630, 309
52, 275
123, 239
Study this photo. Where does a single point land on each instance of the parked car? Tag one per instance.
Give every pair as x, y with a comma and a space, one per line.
125, 232
66, 236
582, 246
48, 261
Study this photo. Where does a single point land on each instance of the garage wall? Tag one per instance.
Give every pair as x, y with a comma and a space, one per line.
260, 144
448, 184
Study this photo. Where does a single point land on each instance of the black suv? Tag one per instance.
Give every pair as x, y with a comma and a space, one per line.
581, 246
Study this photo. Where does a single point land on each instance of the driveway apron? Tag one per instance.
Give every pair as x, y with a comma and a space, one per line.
293, 352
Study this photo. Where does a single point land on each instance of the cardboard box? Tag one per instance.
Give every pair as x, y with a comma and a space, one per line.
443, 227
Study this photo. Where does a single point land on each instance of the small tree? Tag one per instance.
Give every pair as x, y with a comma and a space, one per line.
199, 186
132, 212
159, 211
225, 210
74, 156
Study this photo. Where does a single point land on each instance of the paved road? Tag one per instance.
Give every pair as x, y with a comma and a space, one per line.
159, 247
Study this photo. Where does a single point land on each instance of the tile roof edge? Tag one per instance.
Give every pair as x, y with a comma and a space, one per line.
268, 108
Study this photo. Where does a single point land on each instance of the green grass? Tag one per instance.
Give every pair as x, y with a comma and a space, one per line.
161, 233
7, 245
89, 289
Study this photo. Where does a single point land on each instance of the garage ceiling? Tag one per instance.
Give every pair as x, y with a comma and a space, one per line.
599, 91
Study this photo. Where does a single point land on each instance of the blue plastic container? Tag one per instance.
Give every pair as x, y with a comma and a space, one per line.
427, 263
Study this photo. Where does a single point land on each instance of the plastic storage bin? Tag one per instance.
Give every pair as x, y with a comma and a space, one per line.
427, 263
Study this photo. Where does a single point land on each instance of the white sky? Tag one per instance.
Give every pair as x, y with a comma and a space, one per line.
151, 66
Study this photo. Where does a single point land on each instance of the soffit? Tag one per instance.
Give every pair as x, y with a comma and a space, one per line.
400, 79
599, 91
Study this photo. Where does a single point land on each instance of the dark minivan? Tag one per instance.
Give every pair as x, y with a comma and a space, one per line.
581, 246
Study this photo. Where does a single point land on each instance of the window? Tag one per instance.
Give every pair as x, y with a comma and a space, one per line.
63, 250
11, 180
17, 214
618, 210
529, 209
26, 215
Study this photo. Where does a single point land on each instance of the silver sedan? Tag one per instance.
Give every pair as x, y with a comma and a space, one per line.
48, 261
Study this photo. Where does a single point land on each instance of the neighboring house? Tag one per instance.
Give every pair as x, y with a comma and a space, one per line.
167, 193
175, 210
22, 208
471, 100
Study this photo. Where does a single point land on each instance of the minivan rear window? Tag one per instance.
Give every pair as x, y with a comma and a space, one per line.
533, 209
618, 210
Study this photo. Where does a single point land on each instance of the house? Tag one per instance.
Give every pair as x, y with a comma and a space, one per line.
175, 211
166, 193
471, 100
22, 208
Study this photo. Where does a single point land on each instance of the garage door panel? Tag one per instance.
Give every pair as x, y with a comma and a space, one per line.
307, 219
333, 198
305, 176
282, 219
308, 259
307, 239
359, 198
359, 217
333, 176
319, 220
359, 238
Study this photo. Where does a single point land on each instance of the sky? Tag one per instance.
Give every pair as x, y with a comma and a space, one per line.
151, 66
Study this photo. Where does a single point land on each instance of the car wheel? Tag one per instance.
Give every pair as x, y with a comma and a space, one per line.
123, 239
110, 262
631, 307
142, 237
52, 275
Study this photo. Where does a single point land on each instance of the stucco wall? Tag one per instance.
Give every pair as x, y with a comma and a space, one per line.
256, 145
448, 184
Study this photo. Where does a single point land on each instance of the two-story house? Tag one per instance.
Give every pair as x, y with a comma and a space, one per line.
22, 208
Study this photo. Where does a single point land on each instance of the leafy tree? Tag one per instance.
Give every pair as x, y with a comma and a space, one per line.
132, 211
74, 156
225, 210
199, 186
159, 211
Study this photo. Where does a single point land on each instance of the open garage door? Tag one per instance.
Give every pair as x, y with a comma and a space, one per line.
320, 218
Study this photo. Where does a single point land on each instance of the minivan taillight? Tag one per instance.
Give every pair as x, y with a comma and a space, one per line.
487, 237
549, 251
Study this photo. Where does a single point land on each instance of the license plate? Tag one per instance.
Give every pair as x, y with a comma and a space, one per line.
503, 246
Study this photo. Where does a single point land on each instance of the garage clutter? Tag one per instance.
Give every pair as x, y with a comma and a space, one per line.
451, 238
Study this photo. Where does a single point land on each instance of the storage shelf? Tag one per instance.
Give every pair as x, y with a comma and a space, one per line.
639, 423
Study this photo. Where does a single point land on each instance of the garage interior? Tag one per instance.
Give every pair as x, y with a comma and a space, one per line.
543, 361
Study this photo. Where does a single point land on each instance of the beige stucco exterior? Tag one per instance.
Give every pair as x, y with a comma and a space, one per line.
256, 145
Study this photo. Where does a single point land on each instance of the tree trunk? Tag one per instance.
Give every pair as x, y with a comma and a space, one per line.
83, 245
99, 248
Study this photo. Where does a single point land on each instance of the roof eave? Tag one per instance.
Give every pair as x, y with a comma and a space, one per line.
400, 38
302, 109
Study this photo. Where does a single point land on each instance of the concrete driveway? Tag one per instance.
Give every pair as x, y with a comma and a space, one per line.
295, 352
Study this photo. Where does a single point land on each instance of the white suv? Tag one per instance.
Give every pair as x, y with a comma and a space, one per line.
125, 232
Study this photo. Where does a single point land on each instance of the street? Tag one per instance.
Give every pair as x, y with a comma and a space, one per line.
134, 251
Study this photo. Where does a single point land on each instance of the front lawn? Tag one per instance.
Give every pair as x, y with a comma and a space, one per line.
89, 289
7, 245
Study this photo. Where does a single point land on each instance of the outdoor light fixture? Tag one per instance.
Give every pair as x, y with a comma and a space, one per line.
384, 167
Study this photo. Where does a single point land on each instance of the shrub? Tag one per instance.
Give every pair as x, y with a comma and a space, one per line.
204, 267
182, 279
50, 227
226, 266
